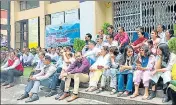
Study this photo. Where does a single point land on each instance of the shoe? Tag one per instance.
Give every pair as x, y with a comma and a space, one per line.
99, 90
34, 97
5, 84
51, 94
58, 95
9, 86
152, 95
165, 99
125, 94
119, 94
65, 95
73, 97
23, 96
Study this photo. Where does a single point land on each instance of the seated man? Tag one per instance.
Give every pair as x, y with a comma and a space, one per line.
40, 64
36, 57
12, 68
47, 77
27, 57
79, 72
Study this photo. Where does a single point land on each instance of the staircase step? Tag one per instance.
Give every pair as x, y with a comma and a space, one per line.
113, 99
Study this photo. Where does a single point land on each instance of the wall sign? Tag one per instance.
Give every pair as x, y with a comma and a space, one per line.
57, 18
71, 15
33, 33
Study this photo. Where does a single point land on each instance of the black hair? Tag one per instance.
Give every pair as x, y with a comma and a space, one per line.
163, 27
70, 54
122, 28
106, 48
93, 42
111, 26
110, 36
42, 53
142, 33
48, 58
165, 51
115, 50
125, 54
150, 42
89, 35
171, 32
141, 28
69, 48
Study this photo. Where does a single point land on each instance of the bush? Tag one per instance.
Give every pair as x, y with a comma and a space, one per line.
104, 27
78, 44
4, 49
172, 45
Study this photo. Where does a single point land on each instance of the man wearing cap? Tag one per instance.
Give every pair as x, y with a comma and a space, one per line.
47, 77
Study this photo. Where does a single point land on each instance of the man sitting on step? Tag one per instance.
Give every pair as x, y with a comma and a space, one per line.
12, 68
79, 72
47, 77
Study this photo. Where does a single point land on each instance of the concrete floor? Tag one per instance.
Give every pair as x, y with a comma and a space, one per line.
9, 96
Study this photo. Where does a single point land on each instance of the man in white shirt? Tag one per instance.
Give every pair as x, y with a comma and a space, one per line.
110, 41
92, 52
53, 55
27, 58
100, 43
47, 77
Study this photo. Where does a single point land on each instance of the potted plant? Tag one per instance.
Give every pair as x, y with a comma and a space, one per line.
78, 44
172, 45
104, 27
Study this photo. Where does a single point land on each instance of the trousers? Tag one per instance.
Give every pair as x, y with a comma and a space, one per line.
95, 77
33, 86
78, 77
8, 75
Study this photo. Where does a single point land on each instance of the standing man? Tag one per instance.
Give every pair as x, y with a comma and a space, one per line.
79, 72
47, 77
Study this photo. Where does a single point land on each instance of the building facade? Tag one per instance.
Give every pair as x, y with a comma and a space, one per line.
30, 18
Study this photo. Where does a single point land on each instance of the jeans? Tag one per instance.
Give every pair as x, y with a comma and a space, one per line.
129, 85
8, 75
33, 86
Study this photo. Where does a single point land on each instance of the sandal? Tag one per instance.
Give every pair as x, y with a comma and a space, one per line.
134, 95
92, 89
99, 90
9, 86
125, 94
119, 94
145, 97
113, 92
87, 89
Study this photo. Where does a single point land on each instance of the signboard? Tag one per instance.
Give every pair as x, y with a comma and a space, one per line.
71, 15
61, 35
33, 33
57, 18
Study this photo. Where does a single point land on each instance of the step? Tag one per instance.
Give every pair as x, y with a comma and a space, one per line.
113, 99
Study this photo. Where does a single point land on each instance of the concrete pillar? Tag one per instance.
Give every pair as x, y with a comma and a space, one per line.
87, 18
43, 12
14, 9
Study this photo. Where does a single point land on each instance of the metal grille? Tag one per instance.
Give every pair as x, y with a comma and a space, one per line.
130, 14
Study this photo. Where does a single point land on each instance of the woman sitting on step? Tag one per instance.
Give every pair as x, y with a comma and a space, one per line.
96, 70
127, 65
112, 71
142, 71
163, 66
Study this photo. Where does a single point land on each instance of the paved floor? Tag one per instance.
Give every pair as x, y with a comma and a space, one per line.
9, 96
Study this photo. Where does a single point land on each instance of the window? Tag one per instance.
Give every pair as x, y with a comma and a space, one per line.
25, 5
54, 1
48, 19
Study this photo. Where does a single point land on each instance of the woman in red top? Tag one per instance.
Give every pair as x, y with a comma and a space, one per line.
139, 42
12, 68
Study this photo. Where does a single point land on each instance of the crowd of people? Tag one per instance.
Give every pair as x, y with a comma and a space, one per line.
129, 62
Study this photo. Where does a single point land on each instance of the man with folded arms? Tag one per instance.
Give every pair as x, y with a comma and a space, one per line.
79, 72
47, 77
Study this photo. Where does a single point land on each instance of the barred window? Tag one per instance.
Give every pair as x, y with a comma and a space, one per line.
25, 5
